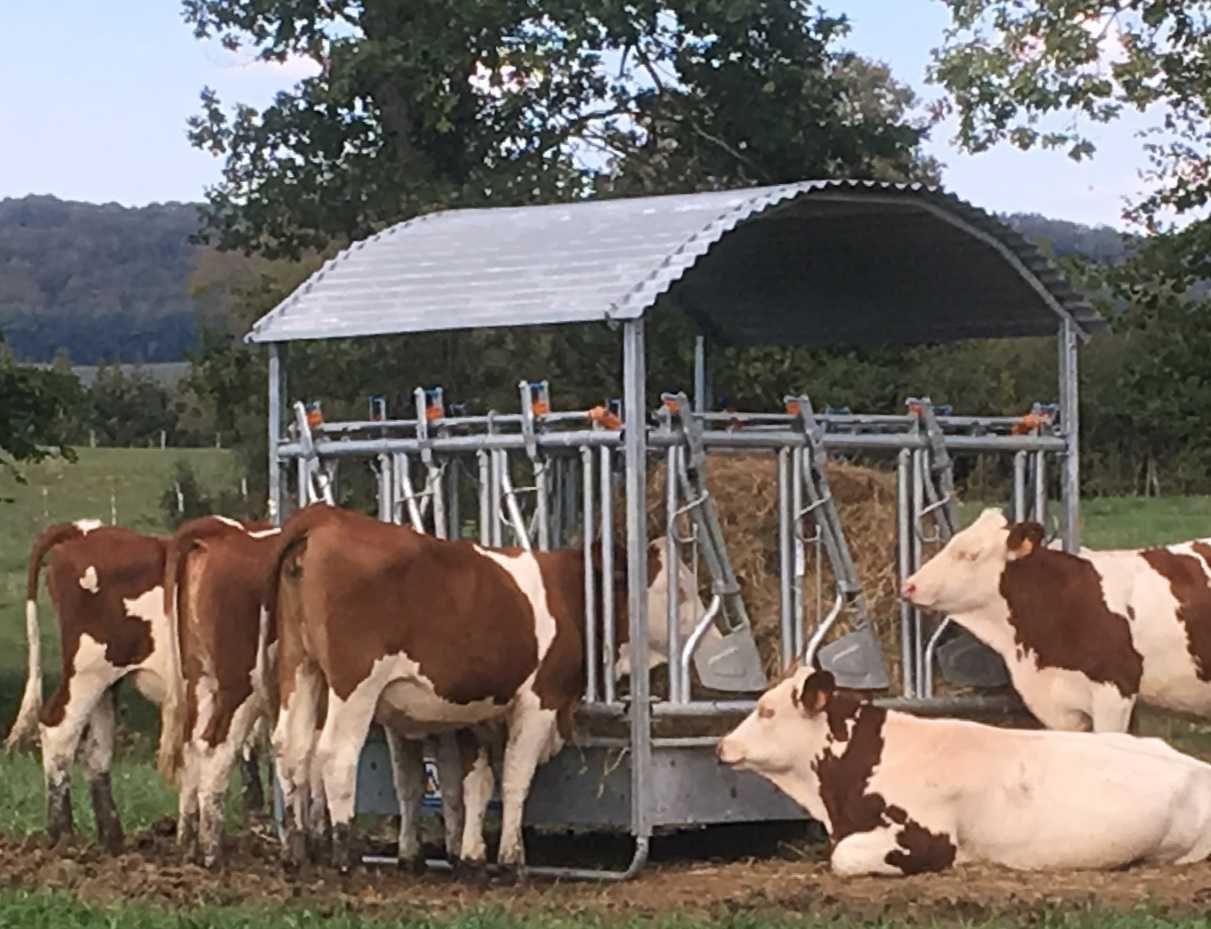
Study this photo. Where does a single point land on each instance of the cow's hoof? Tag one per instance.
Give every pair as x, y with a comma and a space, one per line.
294, 851
342, 848
510, 874
471, 872
413, 863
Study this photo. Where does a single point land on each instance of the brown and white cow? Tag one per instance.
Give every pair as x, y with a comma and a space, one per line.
106, 586
1083, 635
903, 795
425, 635
214, 581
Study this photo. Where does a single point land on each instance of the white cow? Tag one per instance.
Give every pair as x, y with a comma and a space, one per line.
903, 795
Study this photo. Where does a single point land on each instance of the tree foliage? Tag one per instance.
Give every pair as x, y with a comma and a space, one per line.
428, 104
34, 406
1010, 64
102, 281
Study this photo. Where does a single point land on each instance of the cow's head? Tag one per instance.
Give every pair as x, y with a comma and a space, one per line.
788, 725
965, 576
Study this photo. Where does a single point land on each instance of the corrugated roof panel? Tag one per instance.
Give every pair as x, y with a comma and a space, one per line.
848, 250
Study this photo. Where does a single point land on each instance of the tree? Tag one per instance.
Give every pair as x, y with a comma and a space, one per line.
35, 406
1010, 64
428, 104
130, 408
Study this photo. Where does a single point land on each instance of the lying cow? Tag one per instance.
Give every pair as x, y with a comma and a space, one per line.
903, 795
426, 635
1083, 636
106, 585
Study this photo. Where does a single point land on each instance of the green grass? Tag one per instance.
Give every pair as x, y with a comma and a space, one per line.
44, 910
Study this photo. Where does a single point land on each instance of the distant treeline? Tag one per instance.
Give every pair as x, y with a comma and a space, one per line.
101, 282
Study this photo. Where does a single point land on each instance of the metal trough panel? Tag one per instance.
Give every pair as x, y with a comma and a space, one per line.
590, 787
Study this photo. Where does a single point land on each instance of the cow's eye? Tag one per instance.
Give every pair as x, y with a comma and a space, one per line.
765, 712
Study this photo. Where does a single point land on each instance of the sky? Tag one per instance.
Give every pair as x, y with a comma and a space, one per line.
96, 96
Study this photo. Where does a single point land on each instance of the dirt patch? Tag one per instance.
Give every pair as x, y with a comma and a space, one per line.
797, 881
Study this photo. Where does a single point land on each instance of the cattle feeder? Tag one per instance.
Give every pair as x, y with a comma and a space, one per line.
813, 263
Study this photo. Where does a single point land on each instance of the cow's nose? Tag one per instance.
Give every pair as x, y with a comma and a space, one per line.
907, 589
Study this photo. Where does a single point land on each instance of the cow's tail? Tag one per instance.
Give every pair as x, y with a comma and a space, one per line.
173, 718
294, 533
26, 723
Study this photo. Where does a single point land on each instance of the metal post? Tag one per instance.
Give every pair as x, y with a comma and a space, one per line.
786, 569
1040, 488
904, 536
700, 374
609, 646
671, 560
275, 434
453, 517
484, 459
1019, 486
635, 402
386, 502
591, 636
799, 554
1070, 474
919, 464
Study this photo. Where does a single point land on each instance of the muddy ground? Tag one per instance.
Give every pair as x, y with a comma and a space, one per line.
689, 875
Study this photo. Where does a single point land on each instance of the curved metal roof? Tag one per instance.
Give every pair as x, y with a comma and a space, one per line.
816, 263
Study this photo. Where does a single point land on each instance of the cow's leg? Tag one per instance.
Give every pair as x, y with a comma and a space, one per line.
866, 853
319, 823
408, 774
97, 754
478, 784
293, 745
187, 802
70, 707
253, 794
1111, 711
450, 777
339, 748
533, 738
221, 743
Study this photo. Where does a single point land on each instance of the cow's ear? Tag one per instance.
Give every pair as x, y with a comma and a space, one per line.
816, 692
1024, 539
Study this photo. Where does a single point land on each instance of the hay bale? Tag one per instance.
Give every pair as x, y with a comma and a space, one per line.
745, 490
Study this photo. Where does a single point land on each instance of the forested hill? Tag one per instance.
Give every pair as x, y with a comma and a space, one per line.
109, 283
104, 282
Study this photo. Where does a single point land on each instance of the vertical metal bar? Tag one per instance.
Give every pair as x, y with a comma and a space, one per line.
904, 559
453, 516
798, 554
496, 523
483, 459
609, 647
591, 634
635, 403
1019, 486
700, 374
542, 517
1040, 488
920, 463
1070, 427
386, 506
275, 434
786, 567
671, 560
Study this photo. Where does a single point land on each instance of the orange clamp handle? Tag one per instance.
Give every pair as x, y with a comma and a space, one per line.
608, 419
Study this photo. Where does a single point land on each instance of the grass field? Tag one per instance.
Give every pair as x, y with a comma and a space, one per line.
132, 482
